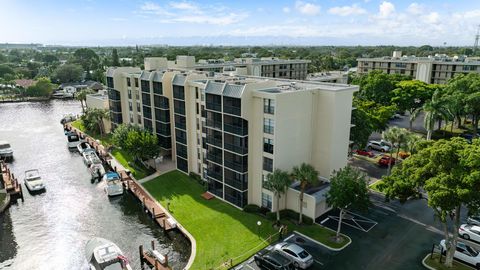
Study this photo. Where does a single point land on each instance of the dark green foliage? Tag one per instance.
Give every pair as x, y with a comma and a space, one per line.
291, 216
251, 208
43, 88
68, 73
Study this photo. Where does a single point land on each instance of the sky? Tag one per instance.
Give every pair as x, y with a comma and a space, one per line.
240, 22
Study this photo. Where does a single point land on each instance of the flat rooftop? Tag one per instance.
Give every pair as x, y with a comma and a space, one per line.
435, 58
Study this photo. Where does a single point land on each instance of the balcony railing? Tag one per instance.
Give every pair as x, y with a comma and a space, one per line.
236, 129
214, 141
236, 148
232, 110
239, 167
215, 158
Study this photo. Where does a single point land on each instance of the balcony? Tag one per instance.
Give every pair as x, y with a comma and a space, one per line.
236, 166
215, 175
214, 124
232, 110
239, 130
214, 157
236, 148
214, 141
214, 106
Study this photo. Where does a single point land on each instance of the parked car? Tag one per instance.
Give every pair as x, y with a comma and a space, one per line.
465, 253
469, 232
473, 220
403, 155
361, 152
272, 260
378, 145
384, 160
6, 151
300, 257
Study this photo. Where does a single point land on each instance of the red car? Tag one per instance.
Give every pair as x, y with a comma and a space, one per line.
384, 160
364, 153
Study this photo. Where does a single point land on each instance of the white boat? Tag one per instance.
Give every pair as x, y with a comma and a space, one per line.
33, 181
102, 254
83, 146
113, 184
72, 140
97, 171
62, 94
90, 157
6, 151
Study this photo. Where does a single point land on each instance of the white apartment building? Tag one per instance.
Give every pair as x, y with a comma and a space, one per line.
234, 130
432, 69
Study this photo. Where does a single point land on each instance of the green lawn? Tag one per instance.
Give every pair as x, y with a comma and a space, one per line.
105, 139
433, 262
374, 186
126, 160
2, 198
78, 124
221, 231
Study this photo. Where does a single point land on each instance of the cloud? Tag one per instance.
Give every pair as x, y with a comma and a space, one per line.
286, 9
385, 9
347, 10
415, 8
432, 17
307, 8
190, 12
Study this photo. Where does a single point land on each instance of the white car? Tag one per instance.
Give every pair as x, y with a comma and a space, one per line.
469, 232
473, 220
381, 146
33, 181
6, 151
299, 256
465, 253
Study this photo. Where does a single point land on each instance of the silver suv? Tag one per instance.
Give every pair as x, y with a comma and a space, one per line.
6, 151
381, 146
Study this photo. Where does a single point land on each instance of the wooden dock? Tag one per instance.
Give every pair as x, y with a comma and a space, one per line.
10, 183
147, 258
130, 184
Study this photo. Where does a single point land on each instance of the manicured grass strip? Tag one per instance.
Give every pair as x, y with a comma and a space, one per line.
221, 231
2, 198
375, 185
127, 160
433, 262
78, 124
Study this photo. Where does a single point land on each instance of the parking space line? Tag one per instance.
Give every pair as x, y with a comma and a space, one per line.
288, 238
250, 267
325, 220
318, 262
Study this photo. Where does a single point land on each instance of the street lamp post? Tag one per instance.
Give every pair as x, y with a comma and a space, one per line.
259, 223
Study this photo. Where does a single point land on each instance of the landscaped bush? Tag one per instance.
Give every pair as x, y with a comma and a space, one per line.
199, 180
251, 208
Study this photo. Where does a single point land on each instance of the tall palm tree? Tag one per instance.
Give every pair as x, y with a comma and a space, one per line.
93, 119
398, 138
412, 142
277, 182
82, 96
306, 174
435, 109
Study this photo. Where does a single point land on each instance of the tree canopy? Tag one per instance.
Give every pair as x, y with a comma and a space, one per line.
68, 73
42, 88
449, 172
378, 86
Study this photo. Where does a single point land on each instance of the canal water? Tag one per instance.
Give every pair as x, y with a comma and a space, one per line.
49, 230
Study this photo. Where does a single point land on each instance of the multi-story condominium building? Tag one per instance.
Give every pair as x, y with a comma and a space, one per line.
265, 67
235, 130
432, 69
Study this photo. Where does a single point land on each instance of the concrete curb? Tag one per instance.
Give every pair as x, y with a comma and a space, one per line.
425, 264
324, 245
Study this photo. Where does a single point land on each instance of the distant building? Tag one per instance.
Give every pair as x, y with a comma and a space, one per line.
329, 76
432, 69
264, 67
25, 83
100, 101
235, 130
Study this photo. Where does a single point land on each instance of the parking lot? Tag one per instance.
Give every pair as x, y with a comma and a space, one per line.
388, 236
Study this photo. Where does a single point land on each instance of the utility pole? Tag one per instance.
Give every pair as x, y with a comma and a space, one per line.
477, 37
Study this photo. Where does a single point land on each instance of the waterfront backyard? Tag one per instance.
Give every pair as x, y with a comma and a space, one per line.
222, 232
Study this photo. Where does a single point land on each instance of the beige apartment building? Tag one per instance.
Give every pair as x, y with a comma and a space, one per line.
433, 69
99, 101
234, 130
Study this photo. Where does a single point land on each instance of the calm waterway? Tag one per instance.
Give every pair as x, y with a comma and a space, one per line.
49, 230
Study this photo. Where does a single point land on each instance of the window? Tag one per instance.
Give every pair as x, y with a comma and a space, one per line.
266, 201
136, 82
268, 125
138, 106
268, 106
268, 145
267, 164
139, 118
130, 106
157, 88
128, 82
129, 94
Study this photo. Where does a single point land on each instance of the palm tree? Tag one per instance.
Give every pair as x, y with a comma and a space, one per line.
93, 119
82, 96
435, 109
306, 174
397, 137
277, 182
412, 142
